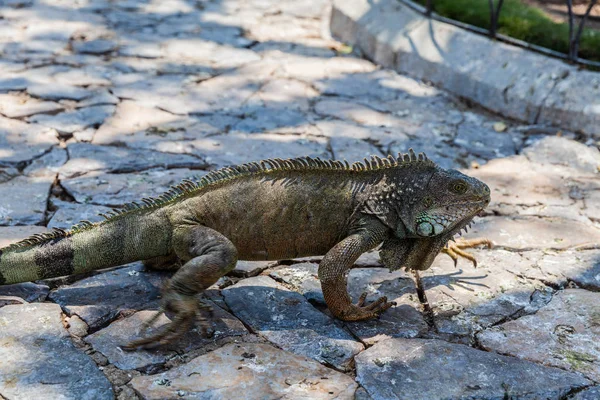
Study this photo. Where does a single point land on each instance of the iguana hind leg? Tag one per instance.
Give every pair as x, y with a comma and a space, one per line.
456, 249
209, 256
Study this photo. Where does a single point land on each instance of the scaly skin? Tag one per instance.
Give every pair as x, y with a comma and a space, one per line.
275, 209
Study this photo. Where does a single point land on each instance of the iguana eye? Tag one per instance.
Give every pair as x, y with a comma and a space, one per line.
458, 186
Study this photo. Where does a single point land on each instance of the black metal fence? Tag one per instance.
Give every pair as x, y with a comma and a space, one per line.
575, 29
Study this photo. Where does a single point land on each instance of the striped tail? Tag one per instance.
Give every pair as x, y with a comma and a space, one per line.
133, 236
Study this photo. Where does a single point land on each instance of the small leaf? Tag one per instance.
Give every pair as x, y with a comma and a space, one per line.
344, 49
499, 126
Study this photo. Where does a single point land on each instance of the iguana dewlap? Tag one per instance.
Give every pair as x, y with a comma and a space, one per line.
269, 210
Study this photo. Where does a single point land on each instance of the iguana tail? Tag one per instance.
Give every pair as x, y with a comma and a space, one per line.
125, 237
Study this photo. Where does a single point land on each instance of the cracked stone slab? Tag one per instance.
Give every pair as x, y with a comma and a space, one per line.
47, 165
520, 186
108, 340
34, 332
69, 214
238, 148
100, 298
555, 150
418, 369
465, 300
289, 321
352, 149
70, 121
257, 370
24, 200
581, 267
565, 334
85, 157
20, 105
97, 46
114, 190
20, 141
28, 291
592, 393
484, 142
58, 91
524, 233
402, 320
248, 269
13, 234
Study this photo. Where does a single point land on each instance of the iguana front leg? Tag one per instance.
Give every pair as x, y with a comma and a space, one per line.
333, 272
209, 256
455, 250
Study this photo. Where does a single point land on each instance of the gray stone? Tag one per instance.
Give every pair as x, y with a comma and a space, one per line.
13, 234
556, 150
465, 300
131, 117
379, 84
237, 148
21, 141
8, 173
100, 298
574, 102
564, 334
592, 393
68, 214
485, 143
352, 149
86, 75
101, 97
68, 122
248, 269
24, 200
402, 320
114, 190
303, 278
10, 84
85, 157
48, 164
289, 321
119, 333
270, 120
98, 46
58, 91
34, 332
560, 268
76, 326
20, 105
535, 233
358, 113
28, 291
433, 369
257, 370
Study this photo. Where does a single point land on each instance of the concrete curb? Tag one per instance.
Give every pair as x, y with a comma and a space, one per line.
507, 79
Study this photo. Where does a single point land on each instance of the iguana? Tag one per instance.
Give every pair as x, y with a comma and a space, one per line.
269, 210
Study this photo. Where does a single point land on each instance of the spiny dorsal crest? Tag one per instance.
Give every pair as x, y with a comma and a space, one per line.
187, 187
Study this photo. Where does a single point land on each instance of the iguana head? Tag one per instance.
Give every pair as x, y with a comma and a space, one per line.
445, 205
425, 206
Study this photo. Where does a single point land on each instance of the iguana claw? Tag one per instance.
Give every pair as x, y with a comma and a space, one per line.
187, 310
455, 250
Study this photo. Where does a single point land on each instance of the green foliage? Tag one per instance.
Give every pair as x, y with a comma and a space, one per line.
521, 21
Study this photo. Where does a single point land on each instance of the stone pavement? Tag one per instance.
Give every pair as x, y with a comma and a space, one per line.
103, 102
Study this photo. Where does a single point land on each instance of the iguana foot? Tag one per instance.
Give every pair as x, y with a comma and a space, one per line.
187, 310
359, 312
455, 250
